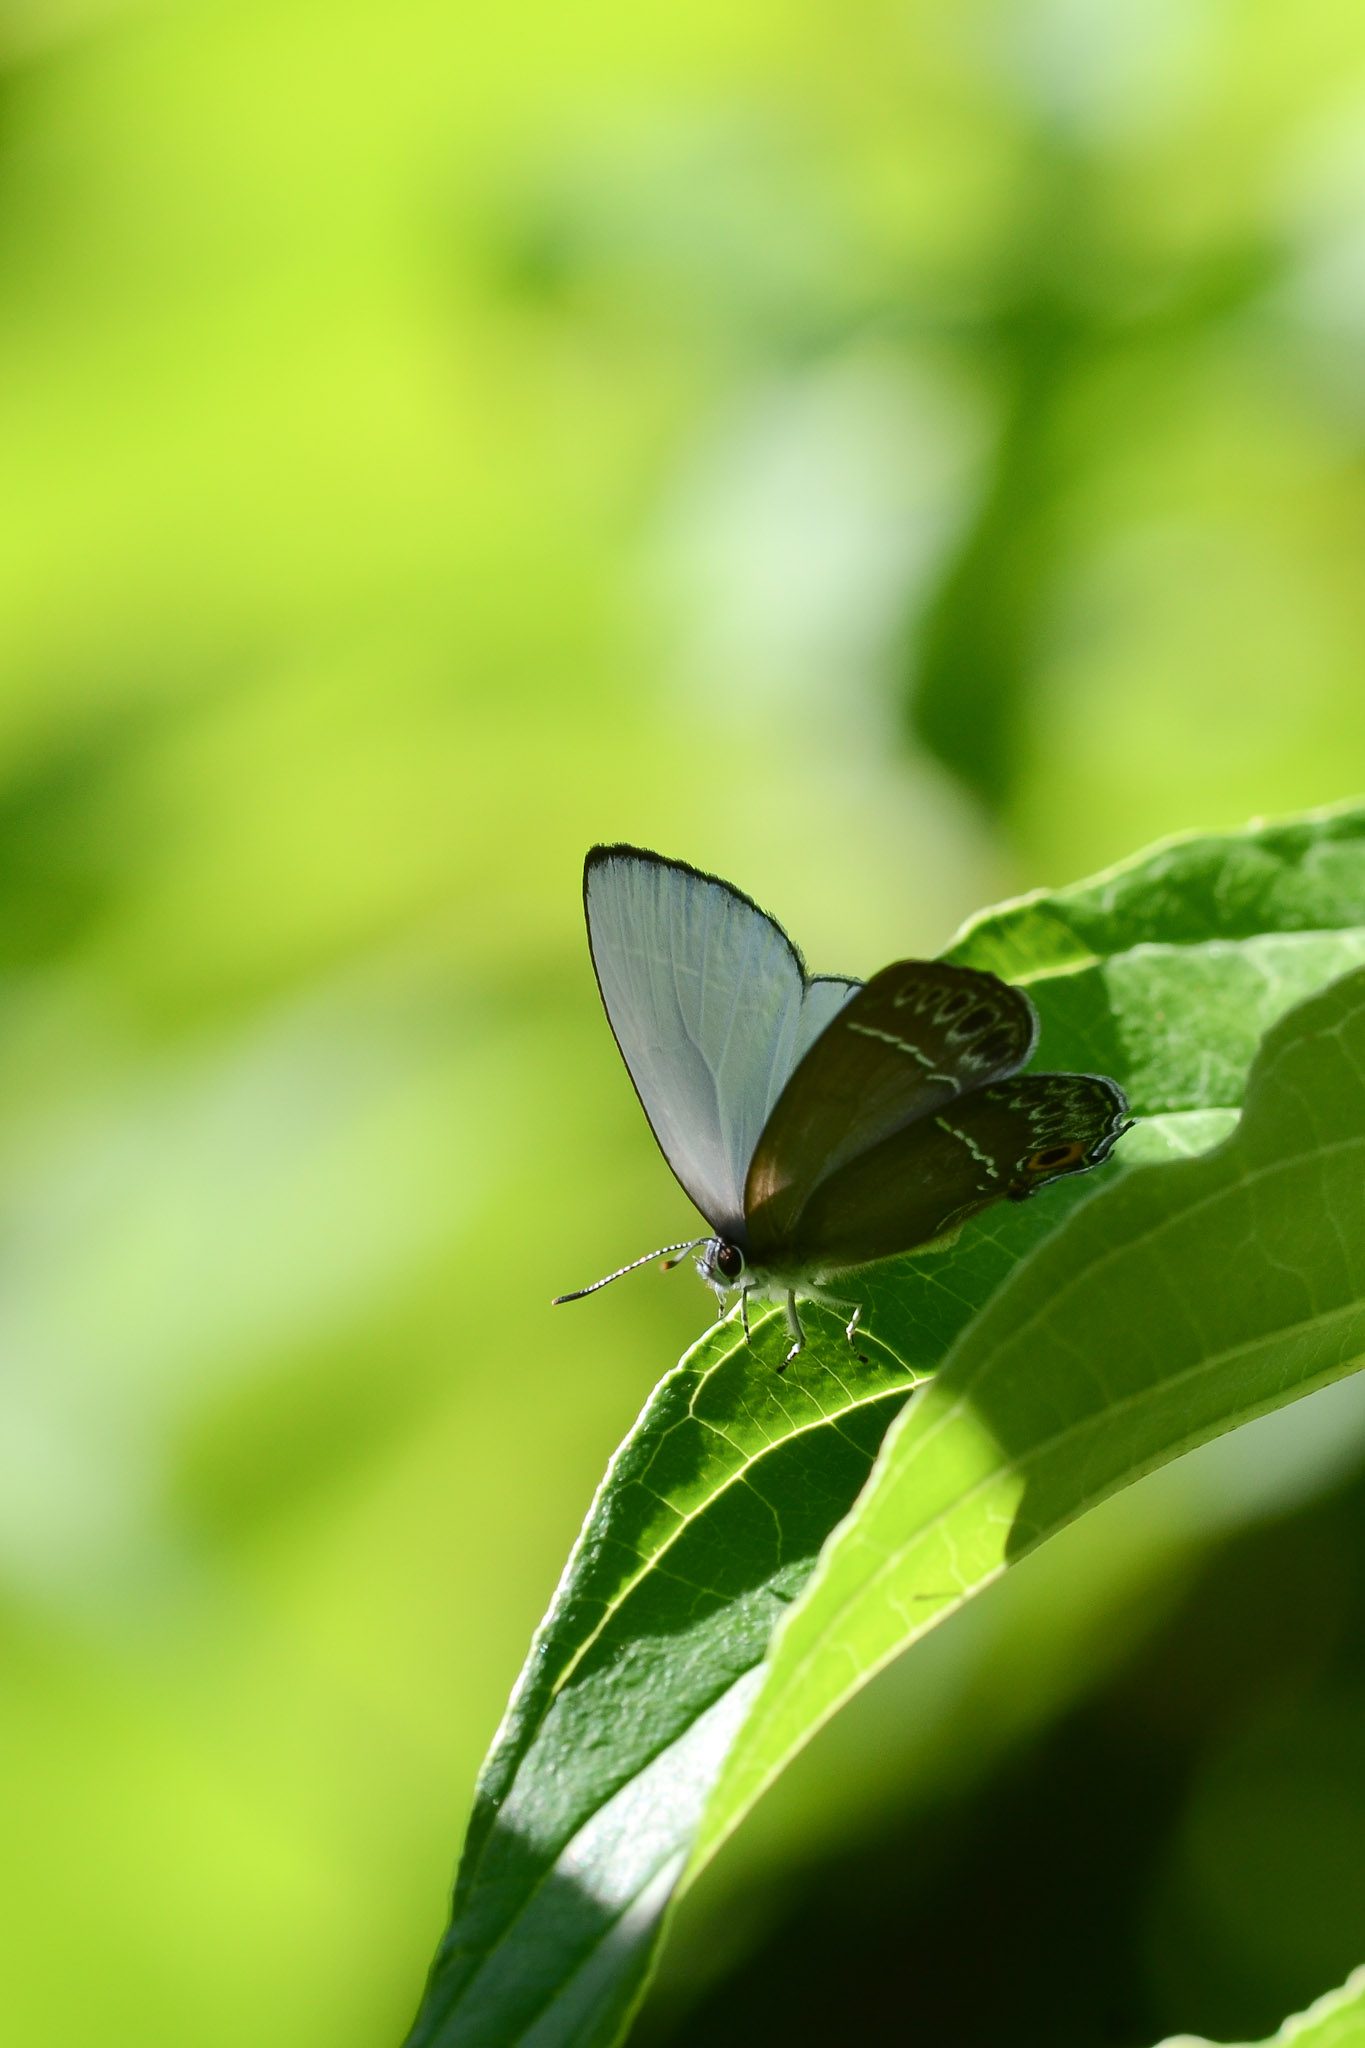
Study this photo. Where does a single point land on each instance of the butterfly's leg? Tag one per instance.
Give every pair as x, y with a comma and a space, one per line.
744, 1314
833, 1301
798, 1334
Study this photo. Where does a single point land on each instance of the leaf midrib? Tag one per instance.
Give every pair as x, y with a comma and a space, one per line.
741, 1472
851, 1406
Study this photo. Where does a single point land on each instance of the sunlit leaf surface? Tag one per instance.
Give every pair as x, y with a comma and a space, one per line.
1298, 874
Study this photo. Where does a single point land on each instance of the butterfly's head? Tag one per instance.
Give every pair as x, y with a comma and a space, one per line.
721, 1263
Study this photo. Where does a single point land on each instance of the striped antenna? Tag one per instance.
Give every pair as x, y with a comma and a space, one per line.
681, 1249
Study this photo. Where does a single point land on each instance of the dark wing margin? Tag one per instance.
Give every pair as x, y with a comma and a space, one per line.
710, 1006
915, 1038
1003, 1141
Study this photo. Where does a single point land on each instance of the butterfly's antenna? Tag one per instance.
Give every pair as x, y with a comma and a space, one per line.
681, 1249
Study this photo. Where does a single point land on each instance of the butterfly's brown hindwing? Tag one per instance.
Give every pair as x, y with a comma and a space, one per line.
921, 1034
1004, 1140
1058, 1124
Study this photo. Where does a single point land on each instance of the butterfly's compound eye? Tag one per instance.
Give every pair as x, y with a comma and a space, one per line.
730, 1261
1055, 1158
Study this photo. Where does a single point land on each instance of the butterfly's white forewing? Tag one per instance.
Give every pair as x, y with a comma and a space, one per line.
824, 997
711, 1010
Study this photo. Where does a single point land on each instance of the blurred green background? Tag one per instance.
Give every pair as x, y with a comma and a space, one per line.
891, 455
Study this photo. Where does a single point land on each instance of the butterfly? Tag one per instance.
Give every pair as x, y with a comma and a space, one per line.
819, 1123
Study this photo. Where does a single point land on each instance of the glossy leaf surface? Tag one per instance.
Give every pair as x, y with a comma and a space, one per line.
1293, 875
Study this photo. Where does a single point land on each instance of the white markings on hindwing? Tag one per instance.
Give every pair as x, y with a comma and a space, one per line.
963, 1137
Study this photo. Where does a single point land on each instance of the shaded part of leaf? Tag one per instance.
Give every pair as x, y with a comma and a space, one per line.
1178, 1026
682, 1634
929, 1297
1303, 873
1336, 2020
1183, 1299
577, 1960
699, 1429
710, 1520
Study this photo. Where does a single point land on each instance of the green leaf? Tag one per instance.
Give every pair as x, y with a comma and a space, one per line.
706, 1526
713, 1513
1179, 1026
708, 1521
1182, 1300
1298, 874
1336, 2020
